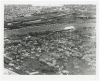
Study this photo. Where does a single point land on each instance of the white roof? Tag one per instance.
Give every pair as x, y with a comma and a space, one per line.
8, 23
69, 27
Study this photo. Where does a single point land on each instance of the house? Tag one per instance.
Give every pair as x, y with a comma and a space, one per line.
92, 17
81, 17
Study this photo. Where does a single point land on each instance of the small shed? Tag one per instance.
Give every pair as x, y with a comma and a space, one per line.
81, 17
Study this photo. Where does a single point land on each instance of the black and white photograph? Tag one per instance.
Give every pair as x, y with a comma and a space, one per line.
50, 40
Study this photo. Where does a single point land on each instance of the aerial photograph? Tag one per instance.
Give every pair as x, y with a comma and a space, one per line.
49, 40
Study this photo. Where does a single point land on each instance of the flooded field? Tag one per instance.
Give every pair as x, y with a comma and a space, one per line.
50, 40
53, 53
